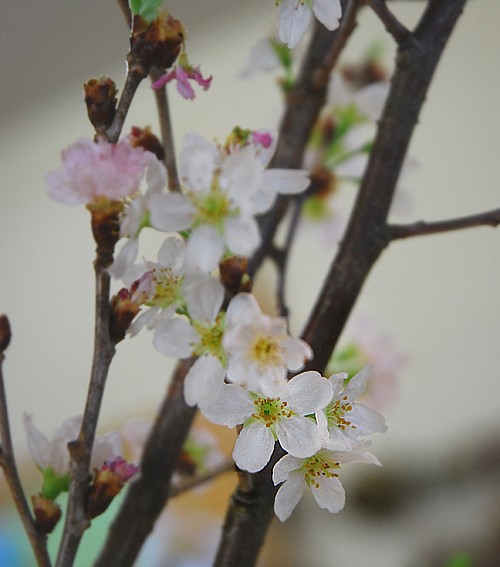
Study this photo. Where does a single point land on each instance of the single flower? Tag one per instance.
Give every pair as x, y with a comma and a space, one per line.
266, 419
343, 420
98, 170
260, 350
319, 473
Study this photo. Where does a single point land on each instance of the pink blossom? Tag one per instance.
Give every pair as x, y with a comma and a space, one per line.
98, 169
183, 74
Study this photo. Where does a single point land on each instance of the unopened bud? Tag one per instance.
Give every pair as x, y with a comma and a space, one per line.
47, 513
108, 482
5, 333
157, 43
100, 98
144, 138
121, 313
105, 223
233, 274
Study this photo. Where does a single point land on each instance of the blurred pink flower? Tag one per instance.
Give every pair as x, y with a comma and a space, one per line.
93, 170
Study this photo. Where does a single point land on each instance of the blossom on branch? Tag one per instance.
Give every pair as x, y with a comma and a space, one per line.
183, 73
98, 170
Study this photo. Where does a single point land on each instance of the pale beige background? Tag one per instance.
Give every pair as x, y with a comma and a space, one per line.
438, 296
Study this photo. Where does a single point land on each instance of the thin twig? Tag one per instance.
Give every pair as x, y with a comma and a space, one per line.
167, 137
421, 228
193, 482
135, 74
7, 462
399, 32
81, 449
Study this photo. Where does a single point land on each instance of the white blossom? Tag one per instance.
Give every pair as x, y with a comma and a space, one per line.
319, 473
260, 350
266, 419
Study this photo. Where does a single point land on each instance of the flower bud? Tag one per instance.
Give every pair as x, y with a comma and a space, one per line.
100, 98
157, 43
122, 310
5, 333
144, 138
108, 481
233, 275
105, 223
47, 513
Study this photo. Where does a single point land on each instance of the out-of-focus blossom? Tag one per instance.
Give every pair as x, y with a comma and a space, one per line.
98, 170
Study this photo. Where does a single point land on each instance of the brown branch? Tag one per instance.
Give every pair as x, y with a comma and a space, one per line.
367, 235
421, 228
399, 32
167, 133
135, 74
148, 495
37, 539
192, 482
81, 449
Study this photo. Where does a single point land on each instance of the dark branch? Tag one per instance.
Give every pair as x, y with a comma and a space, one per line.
148, 495
421, 228
398, 31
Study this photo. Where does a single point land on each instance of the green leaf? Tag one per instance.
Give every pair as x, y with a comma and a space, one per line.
148, 9
459, 560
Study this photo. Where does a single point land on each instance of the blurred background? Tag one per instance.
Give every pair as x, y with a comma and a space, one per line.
433, 302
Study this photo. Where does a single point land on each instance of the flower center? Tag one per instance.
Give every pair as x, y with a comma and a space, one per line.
214, 207
335, 414
270, 410
266, 351
211, 339
167, 289
316, 467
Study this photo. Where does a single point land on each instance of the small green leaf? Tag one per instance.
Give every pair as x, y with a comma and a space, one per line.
459, 560
148, 9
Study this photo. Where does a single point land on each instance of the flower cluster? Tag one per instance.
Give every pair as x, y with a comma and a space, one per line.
243, 356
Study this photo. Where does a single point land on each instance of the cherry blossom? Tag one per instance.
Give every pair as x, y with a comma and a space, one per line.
266, 419
343, 420
94, 170
260, 350
319, 473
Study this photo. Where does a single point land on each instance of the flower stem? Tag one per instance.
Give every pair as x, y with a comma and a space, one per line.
81, 449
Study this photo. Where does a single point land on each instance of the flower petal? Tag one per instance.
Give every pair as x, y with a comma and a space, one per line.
299, 436
254, 447
289, 495
330, 494
309, 392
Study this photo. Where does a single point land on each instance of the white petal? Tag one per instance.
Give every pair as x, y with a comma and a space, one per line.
37, 442
294, 21
106, 448
299, 436
171, 253
328, 12
156, 177
204, 299
254, 447
288, 496
175, 338
287, 181
242, 235
232, 407
204, 381
330, 494
366, 420
357, 384
284, 467
309, 392
241, 308
125, 257
204, 249
171, 212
